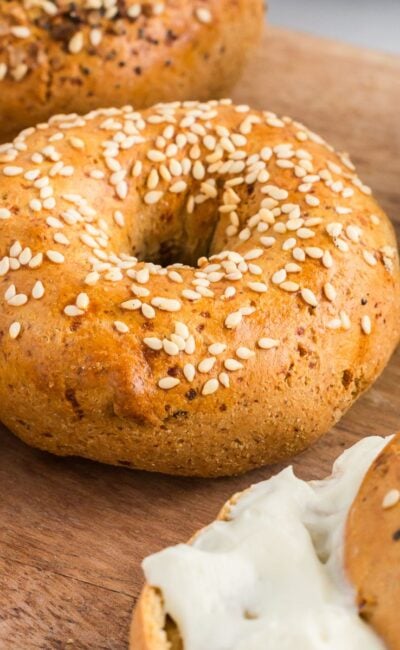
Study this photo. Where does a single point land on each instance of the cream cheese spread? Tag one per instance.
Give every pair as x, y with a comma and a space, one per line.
272, 578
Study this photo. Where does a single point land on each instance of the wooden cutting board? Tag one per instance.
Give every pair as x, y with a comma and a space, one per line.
72, 532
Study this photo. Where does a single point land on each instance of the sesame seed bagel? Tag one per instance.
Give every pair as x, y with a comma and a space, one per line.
197, 289
373, 545
351, 520
61, 56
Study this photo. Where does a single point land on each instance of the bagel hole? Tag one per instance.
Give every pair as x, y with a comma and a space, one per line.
177, 240
171, 252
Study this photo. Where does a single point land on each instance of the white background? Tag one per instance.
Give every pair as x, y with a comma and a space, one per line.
372, 23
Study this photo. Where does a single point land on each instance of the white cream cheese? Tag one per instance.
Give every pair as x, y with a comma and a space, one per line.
272, 577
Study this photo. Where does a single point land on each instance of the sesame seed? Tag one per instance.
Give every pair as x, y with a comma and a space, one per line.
119, 218
312, 200
10, 292
95, 37
55, 257
290, 287
182, 330
170, 348
175, 277
15, 330
206, 364
210, 387
391, 499
267, 343
224, 379
330, 291
334, 324
36, 261
305, 233
327, 260
121, 327
92, 278
153, 343
217, 348
178, 340
148, 311
291, 267
366, 325
334, 229
18, 300
25, 256
244, 353
131, 305
190, 295
268, 242
345, 320
72, 310
253, 254
369, 258
233, 320
75, 44
233, 365
257, 287
82, 301
155, 156
12, 170
134, 10
153, 197
5, 213
309, 297
189, 371
38, 290
19, 72
314, 252
4, 266
190, 345
122, 190
142, 276
279, 276
140, 291
166, 304
166, 383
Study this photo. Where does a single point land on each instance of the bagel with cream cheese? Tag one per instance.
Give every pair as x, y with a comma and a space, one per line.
61, 56
285, 564
196, 289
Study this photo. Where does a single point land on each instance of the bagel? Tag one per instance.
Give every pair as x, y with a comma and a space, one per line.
373, 545
61, 56
207, 367
270, 572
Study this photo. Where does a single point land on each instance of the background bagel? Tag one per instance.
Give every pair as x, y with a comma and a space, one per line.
61, 57
371, 566
373, 545
243, 358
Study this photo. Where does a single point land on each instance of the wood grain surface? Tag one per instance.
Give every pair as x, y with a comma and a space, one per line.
72, 532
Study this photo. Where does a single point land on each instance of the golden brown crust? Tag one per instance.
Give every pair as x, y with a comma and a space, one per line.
372, 550
80, 59
268, 372
148, 624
